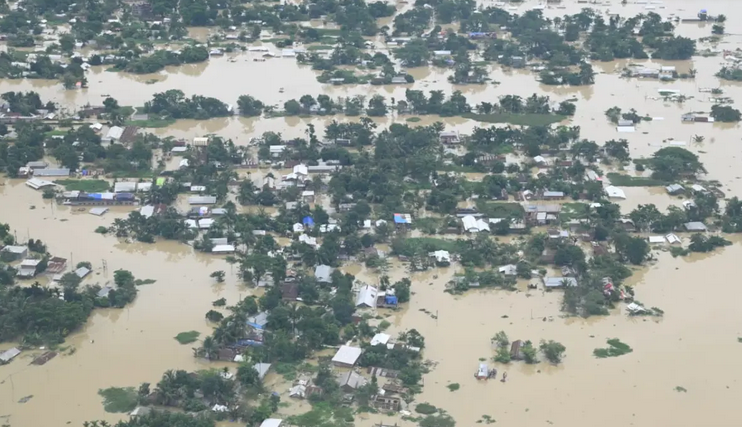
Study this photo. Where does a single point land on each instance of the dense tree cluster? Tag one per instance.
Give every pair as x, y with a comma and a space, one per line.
174, 104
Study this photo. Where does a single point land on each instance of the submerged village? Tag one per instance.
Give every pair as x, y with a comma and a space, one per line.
344, 213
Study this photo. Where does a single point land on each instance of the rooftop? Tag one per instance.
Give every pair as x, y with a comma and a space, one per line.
347, 355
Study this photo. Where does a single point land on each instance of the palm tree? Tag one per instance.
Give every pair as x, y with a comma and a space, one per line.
698, 139
209, 348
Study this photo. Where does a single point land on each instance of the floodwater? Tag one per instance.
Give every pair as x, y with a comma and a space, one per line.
127, 347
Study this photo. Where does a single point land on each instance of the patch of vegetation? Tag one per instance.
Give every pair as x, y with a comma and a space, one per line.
615, 348
486, 419
86, 185
119, 399
621, 180
187, 337
142, 282
413, 119
287, 370
517, 119
681, 389
441, 420
453, 386
553, 351
425, 409
500, 209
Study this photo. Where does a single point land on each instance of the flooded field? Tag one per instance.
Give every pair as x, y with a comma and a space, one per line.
694, 346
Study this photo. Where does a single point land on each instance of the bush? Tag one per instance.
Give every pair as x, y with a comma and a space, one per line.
553, 351
425, 409
214, 316
615, 348
117, 399
187, 337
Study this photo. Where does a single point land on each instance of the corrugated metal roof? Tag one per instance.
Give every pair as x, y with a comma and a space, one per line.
52, 172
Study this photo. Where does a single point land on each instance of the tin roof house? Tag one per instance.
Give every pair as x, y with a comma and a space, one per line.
367, 297
346, 356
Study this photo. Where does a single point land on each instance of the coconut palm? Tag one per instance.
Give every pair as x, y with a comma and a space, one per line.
698, 139
209, 348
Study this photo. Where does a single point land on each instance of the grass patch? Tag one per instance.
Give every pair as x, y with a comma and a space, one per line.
141, 282
320, 47
323, 414
453, 387
681, 389
87, 185
119, 400
615, 348
413, 119
425, 409
325, 31
187, 337
572, 211
517, 119
287, 370
500, 209
133, 174
428, 225
462, 168
621, 180
429, 244
56, 132
151, 123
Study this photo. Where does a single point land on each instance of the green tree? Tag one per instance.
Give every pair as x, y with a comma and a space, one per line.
553, 351
249, 106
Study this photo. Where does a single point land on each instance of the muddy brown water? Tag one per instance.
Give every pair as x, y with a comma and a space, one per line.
698, 294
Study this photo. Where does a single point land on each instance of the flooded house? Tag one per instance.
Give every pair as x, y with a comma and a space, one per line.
346, 356
558, 282
552, 195
202, 200
323, 273
386, 403
675, 189
542, 214
12, 252
515, 350
367, 296
8, 355
351, 381
402, 221
442, 258
695, 226
81, 198
290, 291
38, 184
28, 268
51, 172
696, 118
449, 137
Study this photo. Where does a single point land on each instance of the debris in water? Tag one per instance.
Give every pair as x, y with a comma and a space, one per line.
25, 399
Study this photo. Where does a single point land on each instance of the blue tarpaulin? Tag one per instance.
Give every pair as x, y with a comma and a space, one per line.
308, 221
248, 343
390, 300
401, 218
